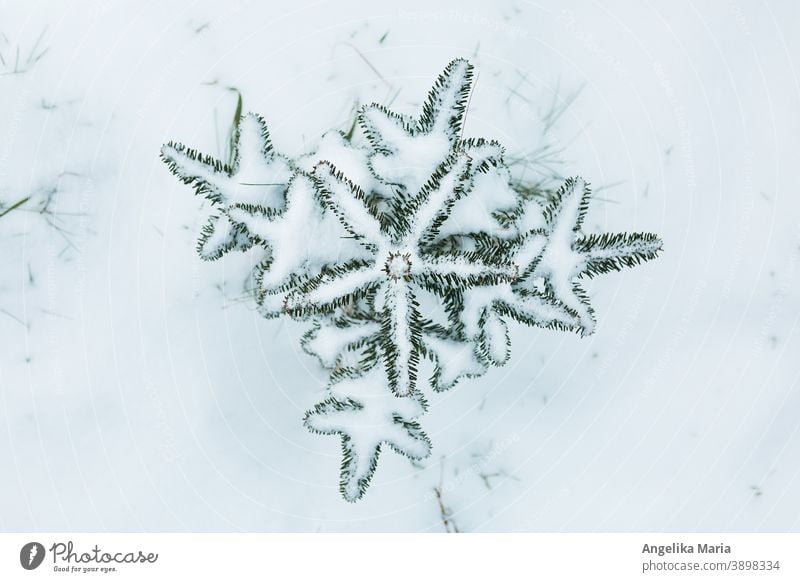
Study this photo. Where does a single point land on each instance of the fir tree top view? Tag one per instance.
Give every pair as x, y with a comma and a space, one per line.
402, 243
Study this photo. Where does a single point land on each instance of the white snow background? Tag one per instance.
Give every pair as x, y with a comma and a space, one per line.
139, 390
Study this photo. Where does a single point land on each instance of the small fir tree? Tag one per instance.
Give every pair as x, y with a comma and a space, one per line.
402, 243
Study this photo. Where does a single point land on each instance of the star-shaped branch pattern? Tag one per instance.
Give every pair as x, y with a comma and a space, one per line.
401, 243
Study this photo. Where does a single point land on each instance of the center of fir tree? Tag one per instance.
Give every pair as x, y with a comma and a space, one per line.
398, 265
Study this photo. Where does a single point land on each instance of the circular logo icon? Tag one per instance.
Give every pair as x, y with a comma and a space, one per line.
31, 555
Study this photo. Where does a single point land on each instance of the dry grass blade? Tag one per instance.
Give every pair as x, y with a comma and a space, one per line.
14, 206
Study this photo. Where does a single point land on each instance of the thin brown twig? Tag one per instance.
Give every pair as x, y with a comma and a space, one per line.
449, 523
14, 317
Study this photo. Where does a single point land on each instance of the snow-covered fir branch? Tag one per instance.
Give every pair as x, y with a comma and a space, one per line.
402, 243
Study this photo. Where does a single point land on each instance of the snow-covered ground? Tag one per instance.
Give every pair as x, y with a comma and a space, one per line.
139, 390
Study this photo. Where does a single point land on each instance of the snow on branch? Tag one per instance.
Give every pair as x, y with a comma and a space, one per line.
372, 237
